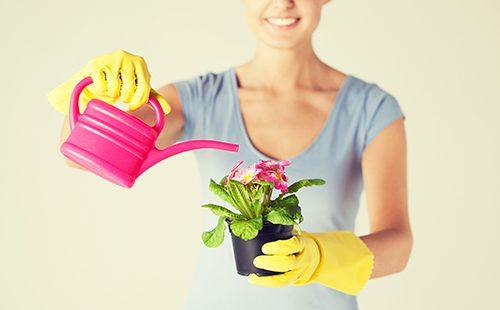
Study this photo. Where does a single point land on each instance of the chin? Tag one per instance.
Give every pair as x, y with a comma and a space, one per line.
282, 43
288, 40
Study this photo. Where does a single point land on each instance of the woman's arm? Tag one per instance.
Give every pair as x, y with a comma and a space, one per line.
339, 259
385, 178
174, 121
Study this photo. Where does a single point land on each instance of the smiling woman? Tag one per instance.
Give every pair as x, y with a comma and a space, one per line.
283, 24
287, 104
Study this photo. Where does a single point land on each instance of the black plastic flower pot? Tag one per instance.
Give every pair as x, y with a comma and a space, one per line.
246, 250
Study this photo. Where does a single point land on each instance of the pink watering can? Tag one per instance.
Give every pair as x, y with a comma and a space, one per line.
119, 146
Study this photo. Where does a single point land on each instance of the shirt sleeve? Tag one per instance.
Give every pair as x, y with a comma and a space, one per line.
195, 95
381, 113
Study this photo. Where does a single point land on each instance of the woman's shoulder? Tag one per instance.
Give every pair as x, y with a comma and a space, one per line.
366, 97
366, 89
375, 105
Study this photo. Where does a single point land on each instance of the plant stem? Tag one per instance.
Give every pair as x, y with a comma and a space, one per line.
267, 198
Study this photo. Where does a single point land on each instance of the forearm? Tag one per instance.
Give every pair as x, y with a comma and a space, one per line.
391, 249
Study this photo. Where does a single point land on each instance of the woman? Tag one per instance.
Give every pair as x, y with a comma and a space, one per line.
285, 103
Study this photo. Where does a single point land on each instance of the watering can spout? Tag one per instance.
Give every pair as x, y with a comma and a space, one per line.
156, 155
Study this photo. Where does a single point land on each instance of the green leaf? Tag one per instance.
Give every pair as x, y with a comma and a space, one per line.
288, 205
281, 202
223, 180
291, 205
221, 211
247, 229
294, 212
220, 191
297, 216
288, 201
303, 183
257, 200
273, 204
280, 216
263, 183
215, 237
241, 197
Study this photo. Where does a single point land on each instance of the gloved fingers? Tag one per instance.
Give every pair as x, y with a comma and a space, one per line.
114, 83
128, 83
99, 77
279, 263
304, 277
139, 98
87, 94
163, 102
284, 247
279, 280
309, 261
142, 72
142, 80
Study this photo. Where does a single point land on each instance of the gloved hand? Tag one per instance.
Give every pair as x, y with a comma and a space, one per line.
337, 259
119, 76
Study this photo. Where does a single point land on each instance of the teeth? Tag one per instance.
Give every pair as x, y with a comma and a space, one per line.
282, 21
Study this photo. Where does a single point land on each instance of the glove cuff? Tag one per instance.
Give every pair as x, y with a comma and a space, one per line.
346, 263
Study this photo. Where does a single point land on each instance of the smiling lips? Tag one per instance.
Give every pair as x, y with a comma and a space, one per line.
283, 22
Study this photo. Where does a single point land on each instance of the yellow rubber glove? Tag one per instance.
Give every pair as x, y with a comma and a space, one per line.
338, 260
118, 76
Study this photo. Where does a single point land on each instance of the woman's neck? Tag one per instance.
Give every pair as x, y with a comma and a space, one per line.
283, 69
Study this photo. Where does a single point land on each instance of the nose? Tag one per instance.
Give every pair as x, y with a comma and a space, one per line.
286, 4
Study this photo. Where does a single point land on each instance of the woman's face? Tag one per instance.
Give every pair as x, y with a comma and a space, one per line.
283, 23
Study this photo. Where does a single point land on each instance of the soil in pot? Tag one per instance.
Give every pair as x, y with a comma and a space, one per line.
246, 250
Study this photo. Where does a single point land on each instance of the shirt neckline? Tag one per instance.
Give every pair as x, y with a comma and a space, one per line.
337, 101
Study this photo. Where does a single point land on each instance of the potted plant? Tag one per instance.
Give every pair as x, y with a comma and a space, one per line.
258, 218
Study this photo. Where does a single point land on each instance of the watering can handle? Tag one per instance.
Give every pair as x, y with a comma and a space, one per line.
74, 110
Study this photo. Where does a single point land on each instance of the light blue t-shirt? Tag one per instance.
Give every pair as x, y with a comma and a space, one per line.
211, 110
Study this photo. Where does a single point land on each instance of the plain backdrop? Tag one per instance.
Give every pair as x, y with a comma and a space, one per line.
71, 240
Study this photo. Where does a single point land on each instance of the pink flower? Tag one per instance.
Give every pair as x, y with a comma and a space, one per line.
273, 165
278, 179
247, 175
274, 171
265, 170
234, 170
